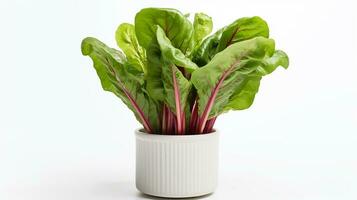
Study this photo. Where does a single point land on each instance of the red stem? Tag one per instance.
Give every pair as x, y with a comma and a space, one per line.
193, 119
170, 118
209, 125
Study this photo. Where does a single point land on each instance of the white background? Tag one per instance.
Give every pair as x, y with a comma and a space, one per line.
62, 137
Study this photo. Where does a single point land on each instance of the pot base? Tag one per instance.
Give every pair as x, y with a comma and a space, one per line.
175, 166
177, 197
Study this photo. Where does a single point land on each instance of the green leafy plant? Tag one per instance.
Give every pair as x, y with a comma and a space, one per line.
175, 77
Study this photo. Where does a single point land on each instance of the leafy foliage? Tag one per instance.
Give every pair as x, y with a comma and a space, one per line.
175, 77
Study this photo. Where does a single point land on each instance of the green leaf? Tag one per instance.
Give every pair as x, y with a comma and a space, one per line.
217, 81
161, 54
240, 30
172, 54
184, 86
243, 29
203, 53
102, 56
202, 26
280, 58
244, 95
126, 39
154, 84
172, 74
111, 69
177, 27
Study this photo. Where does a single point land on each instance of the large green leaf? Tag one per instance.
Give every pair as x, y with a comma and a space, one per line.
111, 69
177, 27
243, 29
217, 81
240, 30
126, 39
104, 58
154, 84
244, 94
172, 54
202, 26
161, 55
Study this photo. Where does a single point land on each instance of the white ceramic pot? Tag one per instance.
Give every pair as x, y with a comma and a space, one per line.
176, 166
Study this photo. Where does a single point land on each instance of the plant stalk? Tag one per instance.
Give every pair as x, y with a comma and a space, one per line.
179, 125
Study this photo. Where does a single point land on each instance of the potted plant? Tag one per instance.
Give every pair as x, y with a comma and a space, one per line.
177, 79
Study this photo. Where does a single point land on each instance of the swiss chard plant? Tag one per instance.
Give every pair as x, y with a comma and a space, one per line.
176, 77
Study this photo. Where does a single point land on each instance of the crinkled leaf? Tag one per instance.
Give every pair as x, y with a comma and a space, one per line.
126, 39
280, 58
172, 54
203, 53
244, 95
217, 81
243, 29
240, 30
154, 83
162, 54
102, 56
202, 26
177, 27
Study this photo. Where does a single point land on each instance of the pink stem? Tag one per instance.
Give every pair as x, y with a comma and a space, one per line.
183, 123
170, 121
209, 125
179, 124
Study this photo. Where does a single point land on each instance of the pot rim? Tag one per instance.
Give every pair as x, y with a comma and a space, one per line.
141, 134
